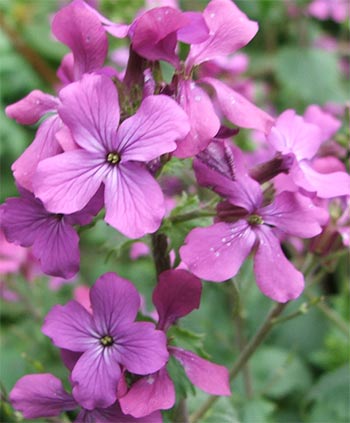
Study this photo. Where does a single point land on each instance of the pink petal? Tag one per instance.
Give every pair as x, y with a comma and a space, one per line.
203, 119
40, 395
177, 293
292, 134
150, 393
230, 30
79, 28
211, 378
95, 378
153, 130
114, 301
196, 31
65, 71
275, 276
295, 214
32, 107
328, 124
216, 253
141, 348
326, 185
66, 182
70, 327
43, 146
237, 109
90, 109
134, 200
114, 414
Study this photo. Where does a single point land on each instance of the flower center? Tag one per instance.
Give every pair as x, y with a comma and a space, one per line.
113, 158
255, 219
106, 341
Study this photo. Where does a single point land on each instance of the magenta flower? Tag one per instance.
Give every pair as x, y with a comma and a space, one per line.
176, 295
43, 395
78, 28
54, 241
90, 109
107, 339
245, 224
292, 135
337, 10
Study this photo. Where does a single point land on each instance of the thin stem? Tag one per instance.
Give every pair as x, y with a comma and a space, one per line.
249, 349
160, 252
192, 215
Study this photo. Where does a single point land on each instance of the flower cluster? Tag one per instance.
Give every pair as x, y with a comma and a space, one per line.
101, 143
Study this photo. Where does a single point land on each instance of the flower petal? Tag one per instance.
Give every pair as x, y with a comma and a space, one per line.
295, 214
230, 30
90, 109
67, 182
196, 31
141, 348
134, 200
81, 30
40, 395
210, 377
153, 130
115, 301
95, 377
237, 109
216, 253
32, 107
150, 393
203, 119
44, 145
71, 327
177, 293
275, 276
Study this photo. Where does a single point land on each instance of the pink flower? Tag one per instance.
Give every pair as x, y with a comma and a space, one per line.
107, 339
133, 199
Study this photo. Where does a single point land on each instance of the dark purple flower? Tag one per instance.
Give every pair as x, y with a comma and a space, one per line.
107, 339
54, 241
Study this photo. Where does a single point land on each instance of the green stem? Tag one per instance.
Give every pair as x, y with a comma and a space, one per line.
192, 215
243, 358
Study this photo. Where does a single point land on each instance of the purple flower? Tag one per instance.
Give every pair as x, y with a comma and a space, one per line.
107, 339
90, 109
291, 134
43, 395
176, 295
54, 241
245, 224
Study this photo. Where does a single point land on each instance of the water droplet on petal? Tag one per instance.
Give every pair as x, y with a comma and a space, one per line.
198, 98
211, 249
229, 244
212, 15
223, 240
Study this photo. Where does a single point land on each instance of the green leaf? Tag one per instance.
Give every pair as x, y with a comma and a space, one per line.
278, 373
309, 76
188, 340
257, 410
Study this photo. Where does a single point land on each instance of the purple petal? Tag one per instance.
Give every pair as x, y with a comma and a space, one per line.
154, 34
177, 293
196, 31
295, 214
141, 348
222, 168
71, 327
32, 107
85, 216
79, 28
150, 393
327, 185
291, 134
114, 414
70, 358
65, 71
95, 378
153, 130
67, 182
203, 119
115, 301
44, 145
211, 378
216, 253
275, 276
90, 109
230, 30
40, 395
138, 207
328, 124
237, 109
